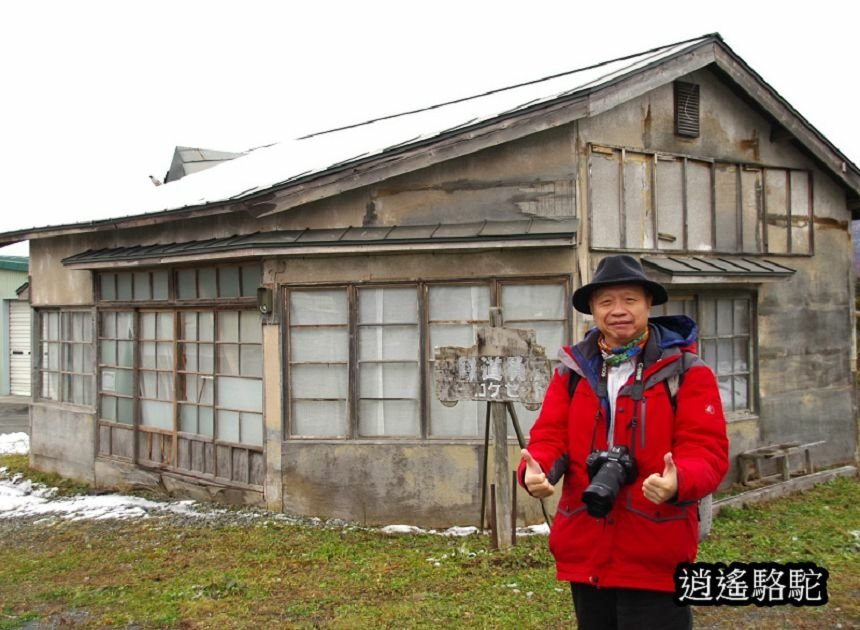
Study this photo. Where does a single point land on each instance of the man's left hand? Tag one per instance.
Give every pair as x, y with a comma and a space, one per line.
660, 488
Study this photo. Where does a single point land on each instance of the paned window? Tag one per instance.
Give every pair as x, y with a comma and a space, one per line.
725, 342
116, 366
648, 201
133, 286
217, 282
356, 357
319, 362
66, 365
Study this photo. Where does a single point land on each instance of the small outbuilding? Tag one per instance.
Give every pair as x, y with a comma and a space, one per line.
263, 331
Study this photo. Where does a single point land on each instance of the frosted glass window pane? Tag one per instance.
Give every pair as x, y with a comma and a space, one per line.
165, 356
388, 417
123, 286
187, 280
537, 301
188, 322
398, 380
724, 317
107, 286
206, 421
142, 290
157, 414
311, 418
741, 392
250, 326
228, 326
251, 360
188, 418
159, 285
725, 385
318, 381
52, 361
550, 335
125, 410
123, 382
108, 408
742, 314
148, 381
228, 426
318, 307
147, 354
189, 356
726, 187
251, 278
206, 356
147, 325
708, 349
125, 325
377, 306
319, 345
228, 282
724, 356
108, 325
50, 326
670, 204
206, 283
466, 418
240, 393
125, 353
709, 318
605, 201
741, 355
251, 428
165, 386
228, 359
165, 326
108, 352
699, 206
391, 343
206, 326
50, 385
459, 303
442, 335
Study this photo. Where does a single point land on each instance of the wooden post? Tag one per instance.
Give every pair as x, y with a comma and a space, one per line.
502, 478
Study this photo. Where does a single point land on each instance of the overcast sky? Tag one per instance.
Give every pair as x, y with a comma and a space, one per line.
94, 96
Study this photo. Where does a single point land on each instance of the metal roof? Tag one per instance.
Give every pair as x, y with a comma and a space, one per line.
358, 239
699, 267
291, 165
14, 263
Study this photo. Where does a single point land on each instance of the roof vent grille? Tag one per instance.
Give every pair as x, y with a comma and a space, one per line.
687, 109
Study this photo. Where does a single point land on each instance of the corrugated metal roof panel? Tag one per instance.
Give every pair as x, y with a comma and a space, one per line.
706, 266
507, 231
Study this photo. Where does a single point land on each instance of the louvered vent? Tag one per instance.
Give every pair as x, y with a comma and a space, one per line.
687, 109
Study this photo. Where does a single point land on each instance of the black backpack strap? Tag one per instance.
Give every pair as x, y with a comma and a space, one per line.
573, 381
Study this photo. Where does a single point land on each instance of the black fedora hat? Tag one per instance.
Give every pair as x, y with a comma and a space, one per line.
613, 270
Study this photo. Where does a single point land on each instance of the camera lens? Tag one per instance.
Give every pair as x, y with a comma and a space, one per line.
603, 489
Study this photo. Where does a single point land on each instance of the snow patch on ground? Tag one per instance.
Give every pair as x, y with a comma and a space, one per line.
14, 444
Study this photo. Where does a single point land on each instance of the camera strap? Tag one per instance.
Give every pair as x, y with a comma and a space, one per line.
637, 392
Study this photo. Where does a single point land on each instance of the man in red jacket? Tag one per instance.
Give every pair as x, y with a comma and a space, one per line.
639, 442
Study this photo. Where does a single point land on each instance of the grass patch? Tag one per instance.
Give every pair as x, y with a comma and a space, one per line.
158, 573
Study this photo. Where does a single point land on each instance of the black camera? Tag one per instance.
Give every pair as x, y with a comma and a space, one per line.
607, 472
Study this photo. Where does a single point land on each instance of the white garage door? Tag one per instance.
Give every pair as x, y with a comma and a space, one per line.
19, 348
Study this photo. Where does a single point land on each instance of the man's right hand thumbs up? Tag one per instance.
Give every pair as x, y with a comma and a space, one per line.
535, 479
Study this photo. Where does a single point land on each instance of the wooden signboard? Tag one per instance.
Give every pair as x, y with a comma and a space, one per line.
506, 365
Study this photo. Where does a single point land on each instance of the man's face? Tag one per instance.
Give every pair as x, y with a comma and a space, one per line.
621, 312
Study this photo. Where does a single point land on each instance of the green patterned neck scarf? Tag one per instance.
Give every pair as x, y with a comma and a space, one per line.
617, 356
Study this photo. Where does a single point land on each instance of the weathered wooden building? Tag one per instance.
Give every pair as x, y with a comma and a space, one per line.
263, 331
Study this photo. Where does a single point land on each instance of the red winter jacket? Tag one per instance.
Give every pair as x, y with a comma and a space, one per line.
638, 544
